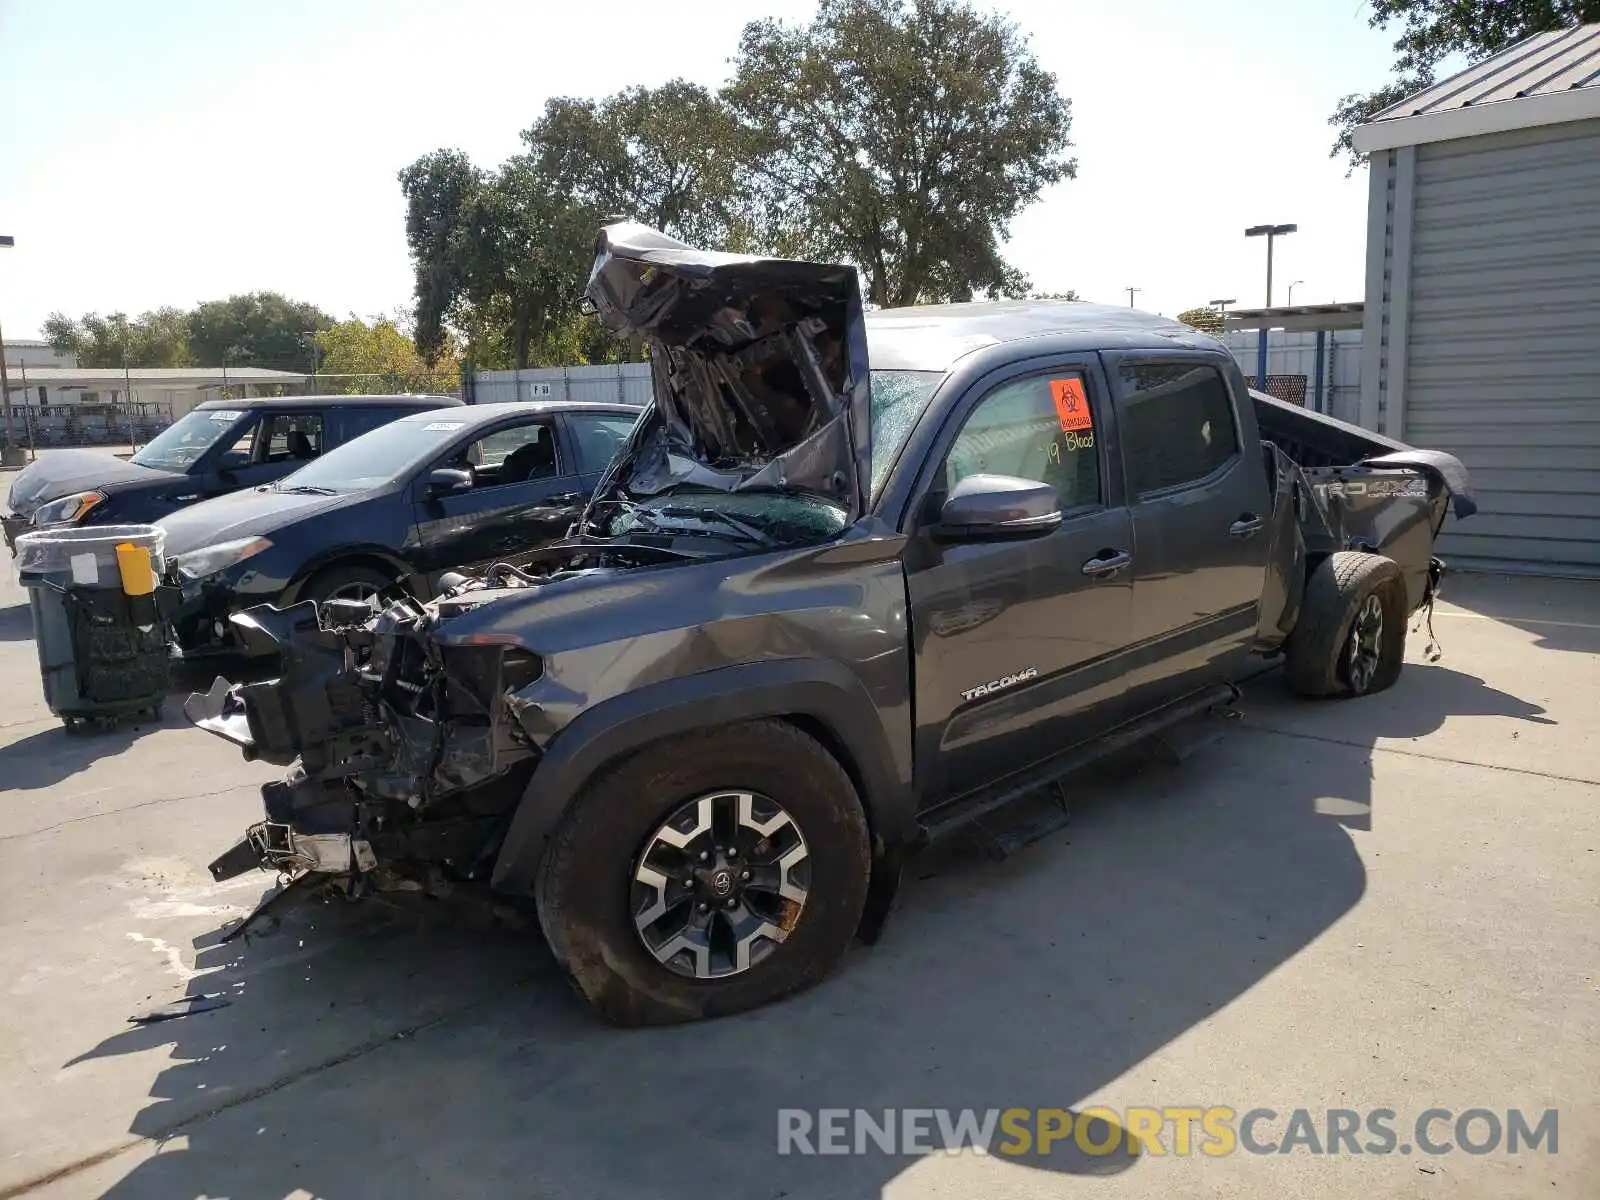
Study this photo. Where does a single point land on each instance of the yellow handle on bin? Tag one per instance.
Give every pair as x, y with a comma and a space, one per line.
137, 571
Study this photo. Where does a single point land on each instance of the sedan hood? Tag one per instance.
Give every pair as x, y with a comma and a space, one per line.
253, 513
63, 472
759, 369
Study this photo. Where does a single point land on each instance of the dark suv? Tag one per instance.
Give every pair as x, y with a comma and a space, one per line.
821, 610
217, 447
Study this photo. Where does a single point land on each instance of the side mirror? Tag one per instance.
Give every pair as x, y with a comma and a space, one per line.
988, 507
232, 460
442, 481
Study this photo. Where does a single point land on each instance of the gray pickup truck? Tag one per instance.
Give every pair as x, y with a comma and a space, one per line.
853, 582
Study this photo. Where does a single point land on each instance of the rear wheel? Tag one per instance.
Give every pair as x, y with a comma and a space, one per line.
1350, 638
707, 875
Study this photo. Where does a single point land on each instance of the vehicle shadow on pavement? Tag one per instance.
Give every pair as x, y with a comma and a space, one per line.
54, 754
366, 1052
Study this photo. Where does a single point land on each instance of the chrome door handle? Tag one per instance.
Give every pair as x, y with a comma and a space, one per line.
1246, 526
566, 498
1108, 563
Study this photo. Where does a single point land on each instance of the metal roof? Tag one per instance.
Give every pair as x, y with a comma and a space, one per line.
931, 337
415, 400
203, 376
1298, 318
1545, 79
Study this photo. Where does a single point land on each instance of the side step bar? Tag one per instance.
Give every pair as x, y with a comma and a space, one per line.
962, 813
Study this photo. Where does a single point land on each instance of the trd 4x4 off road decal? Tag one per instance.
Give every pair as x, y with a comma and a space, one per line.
998, 685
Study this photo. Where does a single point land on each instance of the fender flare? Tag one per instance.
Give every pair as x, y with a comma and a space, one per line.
819, 691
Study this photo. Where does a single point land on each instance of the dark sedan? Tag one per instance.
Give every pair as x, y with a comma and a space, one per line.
429, 493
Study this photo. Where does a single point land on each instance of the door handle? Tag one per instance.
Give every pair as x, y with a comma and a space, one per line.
566, 498
1107, 563
1246, 526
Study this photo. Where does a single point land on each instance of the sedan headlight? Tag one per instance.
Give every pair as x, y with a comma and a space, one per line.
67, 509
208, 560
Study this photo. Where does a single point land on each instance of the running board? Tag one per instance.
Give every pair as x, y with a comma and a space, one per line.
961, 814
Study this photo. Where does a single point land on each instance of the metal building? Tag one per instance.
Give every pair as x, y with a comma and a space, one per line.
1482, 322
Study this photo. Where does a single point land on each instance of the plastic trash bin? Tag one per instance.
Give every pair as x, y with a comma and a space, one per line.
99, 620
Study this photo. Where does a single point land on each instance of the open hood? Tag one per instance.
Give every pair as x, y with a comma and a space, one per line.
759, 368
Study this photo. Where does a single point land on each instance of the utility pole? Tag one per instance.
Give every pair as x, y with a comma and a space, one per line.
6, 453
127, 395
1270, 232
1130, 292
311, 341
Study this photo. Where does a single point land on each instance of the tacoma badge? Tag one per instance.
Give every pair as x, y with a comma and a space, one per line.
996, 685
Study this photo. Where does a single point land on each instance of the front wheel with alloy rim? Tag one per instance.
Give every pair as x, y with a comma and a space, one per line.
346, 581
1350, 636
706, 875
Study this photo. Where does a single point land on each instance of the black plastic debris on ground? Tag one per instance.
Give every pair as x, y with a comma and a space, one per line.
185, 1007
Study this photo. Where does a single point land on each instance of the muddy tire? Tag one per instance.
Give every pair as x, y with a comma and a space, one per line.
657, 852
1350, 639
354, 581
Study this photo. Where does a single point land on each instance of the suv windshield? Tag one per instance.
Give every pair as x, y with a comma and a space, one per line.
378, 457
179, 445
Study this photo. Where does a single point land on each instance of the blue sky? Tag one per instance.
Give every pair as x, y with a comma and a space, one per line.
173, 151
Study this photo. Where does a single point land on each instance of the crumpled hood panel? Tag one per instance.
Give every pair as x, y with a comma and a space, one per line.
759, 366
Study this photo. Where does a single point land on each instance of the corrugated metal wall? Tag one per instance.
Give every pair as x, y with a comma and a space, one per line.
1497, 308
608, 383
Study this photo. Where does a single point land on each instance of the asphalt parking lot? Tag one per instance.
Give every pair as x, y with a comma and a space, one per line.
1388, 903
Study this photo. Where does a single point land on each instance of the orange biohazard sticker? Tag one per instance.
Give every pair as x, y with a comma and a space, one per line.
1072, 405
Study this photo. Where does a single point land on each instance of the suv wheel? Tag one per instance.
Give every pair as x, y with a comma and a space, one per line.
1350, 639
707, 875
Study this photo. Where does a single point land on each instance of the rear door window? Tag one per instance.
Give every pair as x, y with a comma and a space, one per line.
359, 419
292, 437
1177, 424
598, 437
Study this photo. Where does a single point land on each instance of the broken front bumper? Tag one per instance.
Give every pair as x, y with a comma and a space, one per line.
14, 527
272, 846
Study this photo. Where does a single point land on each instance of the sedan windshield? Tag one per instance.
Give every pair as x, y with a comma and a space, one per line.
376, 458
179, 445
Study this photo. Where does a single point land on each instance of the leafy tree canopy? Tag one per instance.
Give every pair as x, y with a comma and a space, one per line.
351, 353
1206, 320
259, 329
902, 136
154, 339
1432, 31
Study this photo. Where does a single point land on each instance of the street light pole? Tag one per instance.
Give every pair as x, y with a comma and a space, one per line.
1130, 292
1270, 232
1292, 287
6, 241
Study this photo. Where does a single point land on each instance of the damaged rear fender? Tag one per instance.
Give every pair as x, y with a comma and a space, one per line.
823, 695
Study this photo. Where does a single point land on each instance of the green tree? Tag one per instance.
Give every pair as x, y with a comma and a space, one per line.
501, 255
1432, 31
259, 329
1206, 320
902, 136
671, 157
1069, 294
357, 354
159, 338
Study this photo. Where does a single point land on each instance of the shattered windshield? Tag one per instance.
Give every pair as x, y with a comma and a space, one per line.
180, 444
772, 518
898, 400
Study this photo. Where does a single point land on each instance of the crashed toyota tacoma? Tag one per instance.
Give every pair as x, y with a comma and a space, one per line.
854, 582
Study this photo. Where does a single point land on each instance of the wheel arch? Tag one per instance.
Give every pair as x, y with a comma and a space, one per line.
377, 557
819, 697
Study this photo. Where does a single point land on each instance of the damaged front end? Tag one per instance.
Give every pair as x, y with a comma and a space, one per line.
408, 750
405, 766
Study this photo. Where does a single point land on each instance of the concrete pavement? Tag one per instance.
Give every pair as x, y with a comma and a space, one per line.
1385, 903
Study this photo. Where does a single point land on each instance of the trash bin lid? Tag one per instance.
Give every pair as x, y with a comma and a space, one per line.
85, 555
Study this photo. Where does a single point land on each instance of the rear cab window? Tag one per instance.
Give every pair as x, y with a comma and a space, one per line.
1177, 425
